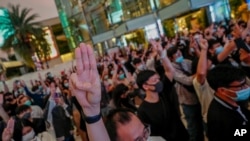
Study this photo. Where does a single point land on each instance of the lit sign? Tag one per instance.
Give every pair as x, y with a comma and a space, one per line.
51, 42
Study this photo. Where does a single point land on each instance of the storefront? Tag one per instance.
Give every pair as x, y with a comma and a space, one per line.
191, 22
219, 11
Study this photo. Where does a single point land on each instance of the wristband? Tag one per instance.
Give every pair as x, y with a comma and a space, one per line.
92, 119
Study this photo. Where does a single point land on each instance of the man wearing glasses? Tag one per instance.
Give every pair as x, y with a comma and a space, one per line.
228, 113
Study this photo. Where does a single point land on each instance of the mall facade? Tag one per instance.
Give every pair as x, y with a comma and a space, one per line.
117, 23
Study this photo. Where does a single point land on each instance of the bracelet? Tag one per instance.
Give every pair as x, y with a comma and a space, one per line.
92, 119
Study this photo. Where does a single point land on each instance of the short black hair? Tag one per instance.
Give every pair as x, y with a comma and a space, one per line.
171, 51
21, 109
212, 42
121, 116
223, 75
143, 77
136, 61
117, 92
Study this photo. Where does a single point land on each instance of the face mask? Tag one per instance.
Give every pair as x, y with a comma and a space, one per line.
158, 87
241, 95
20, 90
28, 102
122, 76
66, 85
106, 77
29, 136
112, 72
26, 115
50, 75
218, 50
141, 67
40, 87
179, 59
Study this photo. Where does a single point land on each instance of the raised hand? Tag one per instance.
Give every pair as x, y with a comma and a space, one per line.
85, 83
8, 131
203, 44
1, 99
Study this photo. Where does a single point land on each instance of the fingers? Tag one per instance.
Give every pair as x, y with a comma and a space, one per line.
10, 125
85, 58
92, 60
79, 63
1, 99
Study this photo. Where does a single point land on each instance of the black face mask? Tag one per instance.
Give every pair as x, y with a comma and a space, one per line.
158, 87
26, 115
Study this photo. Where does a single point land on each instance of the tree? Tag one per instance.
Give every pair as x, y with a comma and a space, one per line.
28, 37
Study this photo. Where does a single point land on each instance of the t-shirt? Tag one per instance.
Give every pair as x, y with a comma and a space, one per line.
163, 115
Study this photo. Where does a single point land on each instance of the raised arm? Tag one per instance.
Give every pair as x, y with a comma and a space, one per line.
3, 79
42, 82
86, 86
168, 67
202, 63
3, 113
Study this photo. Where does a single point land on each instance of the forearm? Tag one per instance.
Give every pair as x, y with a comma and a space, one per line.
6, 88
202, 66
4, 115
96, 131
227, 50
168, 67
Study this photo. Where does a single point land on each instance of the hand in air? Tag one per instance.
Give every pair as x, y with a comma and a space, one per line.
85, 83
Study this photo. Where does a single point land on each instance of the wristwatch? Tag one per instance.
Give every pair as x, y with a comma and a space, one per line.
92, 119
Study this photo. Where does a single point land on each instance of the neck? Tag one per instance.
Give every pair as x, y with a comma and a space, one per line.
227, 99
152, 97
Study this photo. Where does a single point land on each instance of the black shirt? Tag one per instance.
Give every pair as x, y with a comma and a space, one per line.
163, 116
223, 120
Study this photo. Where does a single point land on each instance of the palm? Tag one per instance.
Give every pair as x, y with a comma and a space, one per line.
24, 26
85, 84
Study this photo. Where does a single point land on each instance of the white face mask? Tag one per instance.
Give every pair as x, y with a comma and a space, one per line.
141, 67
29, 136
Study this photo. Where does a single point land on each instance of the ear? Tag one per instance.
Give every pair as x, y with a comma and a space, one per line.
220, 90
171, 59
145, 87
211, 51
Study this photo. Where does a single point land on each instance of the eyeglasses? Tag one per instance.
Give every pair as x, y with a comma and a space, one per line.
146, 133
243, 85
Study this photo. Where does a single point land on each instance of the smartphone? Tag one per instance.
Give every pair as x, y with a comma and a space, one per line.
197, 38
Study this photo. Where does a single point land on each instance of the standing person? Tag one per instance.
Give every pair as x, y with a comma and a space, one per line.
158, 108
187, 96
227, 113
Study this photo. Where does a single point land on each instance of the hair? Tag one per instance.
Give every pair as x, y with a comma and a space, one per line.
115, 117
223, 75
143, 76
22, 109
171, 51
117, 92
136, 61
212, 42
8, 94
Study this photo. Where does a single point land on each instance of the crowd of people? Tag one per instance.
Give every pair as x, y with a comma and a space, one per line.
192, 87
